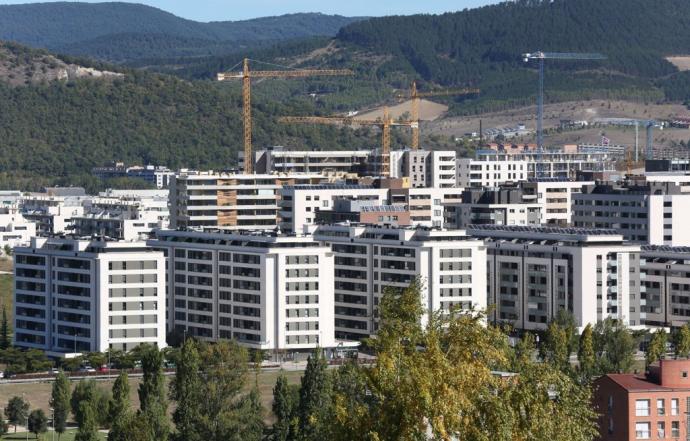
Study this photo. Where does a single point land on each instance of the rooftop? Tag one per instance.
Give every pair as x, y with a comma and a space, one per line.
329, 187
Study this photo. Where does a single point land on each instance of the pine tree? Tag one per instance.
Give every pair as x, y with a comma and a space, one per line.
253, 421
314, 399
283, 408
681, 341
88, 426
84, 391
60, 402
4, 330
152, 397
119, 403
186, 390
585, 354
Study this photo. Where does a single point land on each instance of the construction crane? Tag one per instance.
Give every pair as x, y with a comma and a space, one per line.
415, 96
385, 123
541, 56
648, 124
246, 75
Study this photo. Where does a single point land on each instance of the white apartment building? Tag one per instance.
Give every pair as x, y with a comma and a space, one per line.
78, 296
665, 288
265, 291
52, 214
507, 205
230, 201
655, 213
424, 168
370, 259
15, 229
335, 163
535, 271
300, 203
426, 204
555, 198
126, 218
474, 173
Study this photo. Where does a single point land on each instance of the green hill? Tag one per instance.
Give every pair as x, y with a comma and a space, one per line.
124, 31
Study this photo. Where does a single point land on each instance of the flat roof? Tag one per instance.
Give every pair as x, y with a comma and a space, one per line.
329, 187
546, 230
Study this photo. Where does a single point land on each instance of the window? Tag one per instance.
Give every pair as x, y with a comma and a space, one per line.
675, 429
674, 406
642, 431
642, 408
660, 407
660, 429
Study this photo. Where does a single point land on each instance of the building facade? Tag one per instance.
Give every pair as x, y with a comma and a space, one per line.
78, 296
665, 288
508, 205
450, 266
266, 292
555, 197
535, 271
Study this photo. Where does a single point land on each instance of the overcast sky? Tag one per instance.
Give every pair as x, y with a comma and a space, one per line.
217, 10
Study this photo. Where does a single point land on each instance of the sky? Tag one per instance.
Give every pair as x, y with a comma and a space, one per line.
220, 10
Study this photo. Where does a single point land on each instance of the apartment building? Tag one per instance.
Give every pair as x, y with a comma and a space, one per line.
554, 195
299, 204
51, 214
535, 271
369, 259
229, 201
507, 205
665, 285
426, 205
128, 218
654, 213
337, 163
424, 168
265, 291
474, 173
365, 212
654, 405
15, 229
78, 296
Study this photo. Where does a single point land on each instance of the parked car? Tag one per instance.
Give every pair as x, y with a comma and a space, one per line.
54, 371
2, 375
87, 368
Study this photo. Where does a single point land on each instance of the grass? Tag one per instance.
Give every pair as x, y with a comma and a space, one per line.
38, 394
21, 436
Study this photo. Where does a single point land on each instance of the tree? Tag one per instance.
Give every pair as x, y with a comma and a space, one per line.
4, 330
614, 346
585, 354
131, 427
186, 390
3, 425
681, 341
119, 403
657, 347
8, 250
437, 382
314, 399
60, 402
152, 397
17, 411
556, 346
523, 353
38, 422
88, 425
566, 320
285, 399
84, 391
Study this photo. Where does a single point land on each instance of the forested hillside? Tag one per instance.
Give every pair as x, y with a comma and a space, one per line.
126, 31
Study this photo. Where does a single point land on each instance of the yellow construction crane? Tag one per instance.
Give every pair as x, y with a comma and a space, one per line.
246, 75
385, 123
415, 96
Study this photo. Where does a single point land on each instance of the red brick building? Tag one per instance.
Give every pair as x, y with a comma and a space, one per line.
654, 406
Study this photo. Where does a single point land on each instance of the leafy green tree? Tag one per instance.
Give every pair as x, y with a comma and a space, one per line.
566, 320
17, 411
614, 346
186, 389
60, 402
38, 422
84, 391
585, 354
8, 250
152, 396
285, 399
102, 400
131, 427
681, 341
4, 330
556, 346
119, 404
657, 347
523, 353
314, 399
88, 424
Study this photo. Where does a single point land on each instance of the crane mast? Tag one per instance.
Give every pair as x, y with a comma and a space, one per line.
246, 76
